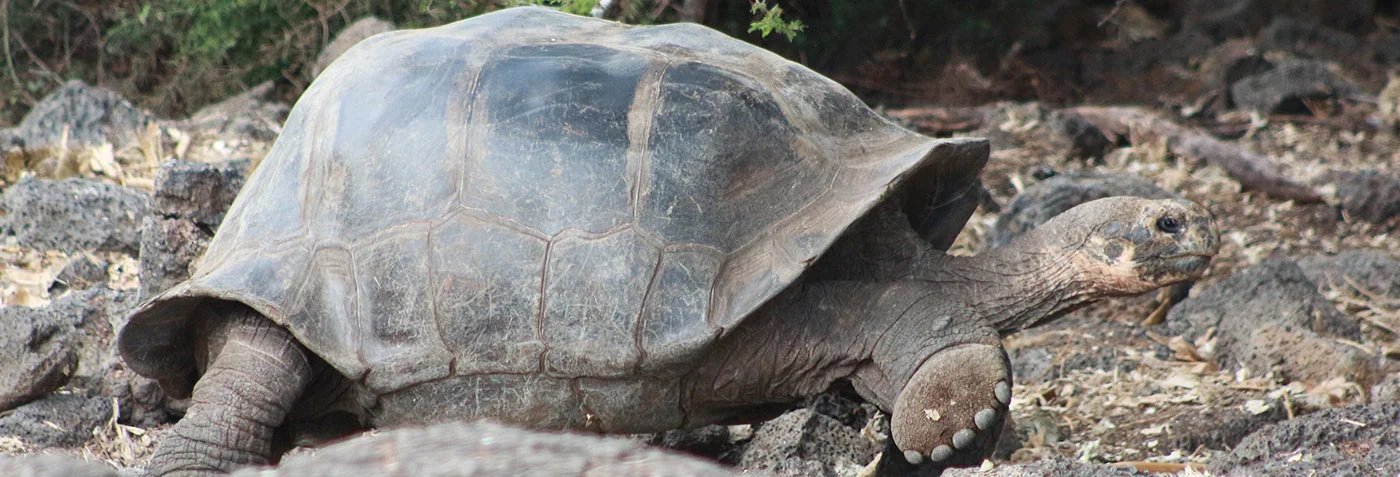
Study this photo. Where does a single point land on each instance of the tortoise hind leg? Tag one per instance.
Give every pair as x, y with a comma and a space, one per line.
254, 372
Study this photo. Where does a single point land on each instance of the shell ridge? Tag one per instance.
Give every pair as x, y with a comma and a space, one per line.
647, 101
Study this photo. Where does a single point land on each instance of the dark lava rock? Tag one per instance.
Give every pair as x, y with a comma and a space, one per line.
1042, 201
1150, 68
53, 465
1040, 171
97, 313
804, 443
79, 330
189, 205
247, 115
82, 272
1226, 18
1385, 48
143, 403
711, 441
1307, 39
73, 215
1282, 90
90, 114
1388, 390
1056, 466
198, 191
996, 117
1079, 137
1358, 440
37, 354
1369, 195
57, 420
1245, 66
76, 330
1015, 434
1219, 428
486, 450
168, 248
1242, 18
1271, 317
1374, 270
1345, 15
845, 406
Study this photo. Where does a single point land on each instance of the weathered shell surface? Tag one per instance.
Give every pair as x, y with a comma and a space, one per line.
529, 192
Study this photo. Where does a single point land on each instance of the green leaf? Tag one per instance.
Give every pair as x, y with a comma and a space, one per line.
773, 21
576, 7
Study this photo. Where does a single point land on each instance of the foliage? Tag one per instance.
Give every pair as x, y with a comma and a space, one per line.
28, 30
576, 7
890, 41
772, 21
173, 56
191, 51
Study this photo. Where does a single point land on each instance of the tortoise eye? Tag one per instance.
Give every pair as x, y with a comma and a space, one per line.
1169, 225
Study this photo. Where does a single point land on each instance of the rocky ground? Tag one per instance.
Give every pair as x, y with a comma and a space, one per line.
1283, 361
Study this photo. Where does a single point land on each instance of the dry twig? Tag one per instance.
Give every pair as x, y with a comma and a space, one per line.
1252, 171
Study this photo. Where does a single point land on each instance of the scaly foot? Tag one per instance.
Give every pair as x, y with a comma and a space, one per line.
950, 413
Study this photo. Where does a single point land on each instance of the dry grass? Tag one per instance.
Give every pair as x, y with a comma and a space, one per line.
119, 445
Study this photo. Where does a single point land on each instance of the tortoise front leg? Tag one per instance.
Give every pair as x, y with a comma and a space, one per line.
942, 374
256, 371
908, 347
950, 413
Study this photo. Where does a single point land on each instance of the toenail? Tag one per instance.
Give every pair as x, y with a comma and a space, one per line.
985, 418
1003, 392
940, 453
963, 439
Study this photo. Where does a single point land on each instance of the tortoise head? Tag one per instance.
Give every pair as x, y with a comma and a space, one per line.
1131, 245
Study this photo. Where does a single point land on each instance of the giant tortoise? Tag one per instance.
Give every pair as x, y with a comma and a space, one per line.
560, 222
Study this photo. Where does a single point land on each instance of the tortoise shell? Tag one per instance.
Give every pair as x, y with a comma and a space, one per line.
529, 191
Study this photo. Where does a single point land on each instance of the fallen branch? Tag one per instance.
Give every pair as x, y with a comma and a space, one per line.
941, 120
1160, 467
1253, 171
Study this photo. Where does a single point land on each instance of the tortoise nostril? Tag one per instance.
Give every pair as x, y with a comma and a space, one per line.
1170, 225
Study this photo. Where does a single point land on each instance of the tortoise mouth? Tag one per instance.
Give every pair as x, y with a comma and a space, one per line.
1192, 265
1177, 266
1203, 254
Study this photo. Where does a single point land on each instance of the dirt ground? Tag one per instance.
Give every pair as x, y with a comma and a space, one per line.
1147, 398
1131, 412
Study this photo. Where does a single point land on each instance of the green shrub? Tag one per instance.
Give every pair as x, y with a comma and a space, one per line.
911, 36
173, 56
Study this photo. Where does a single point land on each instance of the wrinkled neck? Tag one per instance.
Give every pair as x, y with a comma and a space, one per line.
1013, 288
